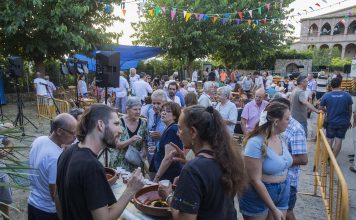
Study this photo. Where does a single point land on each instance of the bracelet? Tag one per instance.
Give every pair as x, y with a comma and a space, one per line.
169, 196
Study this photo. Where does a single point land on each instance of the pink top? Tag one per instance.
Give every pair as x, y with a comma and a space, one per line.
252, 113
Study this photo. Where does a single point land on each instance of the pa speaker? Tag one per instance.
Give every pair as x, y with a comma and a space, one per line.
347, 68
64, 69
107, 69
16, 66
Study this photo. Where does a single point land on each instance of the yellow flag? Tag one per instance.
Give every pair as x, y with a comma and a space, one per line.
253, 26
215, 19
150, 12
187, 16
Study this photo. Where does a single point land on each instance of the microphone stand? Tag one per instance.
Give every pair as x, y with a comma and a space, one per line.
51, 97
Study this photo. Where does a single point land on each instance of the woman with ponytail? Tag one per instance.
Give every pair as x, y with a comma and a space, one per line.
267, 160
207, 184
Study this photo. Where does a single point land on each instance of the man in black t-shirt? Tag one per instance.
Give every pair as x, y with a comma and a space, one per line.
82, 188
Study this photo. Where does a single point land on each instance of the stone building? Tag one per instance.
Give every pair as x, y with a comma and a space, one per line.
285, 66
335, 29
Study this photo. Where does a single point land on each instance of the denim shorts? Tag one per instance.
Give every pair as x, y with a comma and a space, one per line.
251, 204
336, 132
292, 198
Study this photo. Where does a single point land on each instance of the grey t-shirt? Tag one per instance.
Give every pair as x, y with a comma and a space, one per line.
298, 110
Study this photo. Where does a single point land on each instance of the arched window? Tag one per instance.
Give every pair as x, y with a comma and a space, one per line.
352, 28
339, 28
325, 29
324, 46
350, 50
313, 30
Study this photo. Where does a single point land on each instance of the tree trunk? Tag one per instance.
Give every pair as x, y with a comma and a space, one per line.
189, 69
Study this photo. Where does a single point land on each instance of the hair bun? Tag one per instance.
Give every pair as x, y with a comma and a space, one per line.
210, 109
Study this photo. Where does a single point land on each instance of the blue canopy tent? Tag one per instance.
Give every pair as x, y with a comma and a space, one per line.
130, 56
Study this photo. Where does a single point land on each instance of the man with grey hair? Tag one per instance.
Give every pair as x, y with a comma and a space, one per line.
155, 125
133, 77
208, 92
300, 104
226, 108
141, 88
252, 111
44, 153
40, 85
50, 87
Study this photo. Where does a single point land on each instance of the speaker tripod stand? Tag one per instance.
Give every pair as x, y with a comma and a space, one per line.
20, 115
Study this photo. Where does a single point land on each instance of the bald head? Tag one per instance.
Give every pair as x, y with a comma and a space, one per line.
64, 129
259, 95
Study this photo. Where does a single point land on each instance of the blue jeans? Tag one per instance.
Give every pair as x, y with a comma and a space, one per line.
121, 104
251, 203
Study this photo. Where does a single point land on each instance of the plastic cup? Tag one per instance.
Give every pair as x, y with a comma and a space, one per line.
164, 182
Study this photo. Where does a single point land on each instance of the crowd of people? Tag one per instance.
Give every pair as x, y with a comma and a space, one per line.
168, 130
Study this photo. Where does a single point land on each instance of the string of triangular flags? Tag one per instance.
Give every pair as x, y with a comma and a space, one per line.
318, 7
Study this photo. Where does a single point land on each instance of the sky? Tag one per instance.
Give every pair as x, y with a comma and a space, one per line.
326, 6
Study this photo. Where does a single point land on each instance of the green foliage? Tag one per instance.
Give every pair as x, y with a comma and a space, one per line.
323, 57
43, 29
229, 44
338, 64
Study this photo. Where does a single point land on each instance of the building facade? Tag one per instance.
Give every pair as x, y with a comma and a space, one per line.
332, 30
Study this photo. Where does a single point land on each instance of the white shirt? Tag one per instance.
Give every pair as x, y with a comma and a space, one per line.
43, 158
176, 100
228, 112
82, 87
40, 86
204, 100
269, 81
259, 82
51, 88
121, 91
134, 79
195, 76
141, 89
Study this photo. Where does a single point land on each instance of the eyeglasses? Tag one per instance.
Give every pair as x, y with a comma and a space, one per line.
68, 131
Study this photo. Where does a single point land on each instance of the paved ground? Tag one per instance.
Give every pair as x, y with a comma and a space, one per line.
308, 207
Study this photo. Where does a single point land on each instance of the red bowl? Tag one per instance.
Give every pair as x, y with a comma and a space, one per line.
145, 196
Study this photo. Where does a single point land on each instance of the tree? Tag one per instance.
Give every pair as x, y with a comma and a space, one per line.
223, 38
41, 29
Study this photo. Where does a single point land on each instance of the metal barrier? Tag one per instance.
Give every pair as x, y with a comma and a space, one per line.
329, 178
47, 109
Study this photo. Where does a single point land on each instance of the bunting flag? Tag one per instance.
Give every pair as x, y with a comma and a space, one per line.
196, 16
184, 13
324, 1
249, 21
173, 13
240, 14
150, 12
123, 11
96, 4
317, 4
260, 10
158, 10
268, 5
250, 12
253, 26
227, 15
187, 16
311, 8
238, 21
265, 20
354, 10
257, 21
205, 17
224, 21
108, 8
201, 16
163, 9
215, 19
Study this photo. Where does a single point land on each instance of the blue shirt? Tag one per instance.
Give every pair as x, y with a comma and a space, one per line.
297, 145
337, 105
168, 136
181, 98
272, 163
